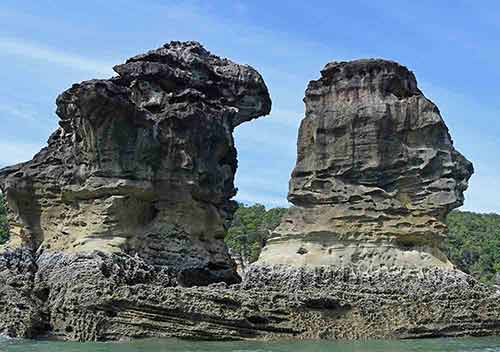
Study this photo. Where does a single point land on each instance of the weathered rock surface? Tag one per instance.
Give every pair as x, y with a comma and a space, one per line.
376, 173
117, 226
143, 163
141, 167
106, 297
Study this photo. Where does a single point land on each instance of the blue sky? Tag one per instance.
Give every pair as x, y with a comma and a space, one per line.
452, 46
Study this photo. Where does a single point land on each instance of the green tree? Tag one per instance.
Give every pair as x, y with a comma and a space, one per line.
250, 229
473, 244
4, 230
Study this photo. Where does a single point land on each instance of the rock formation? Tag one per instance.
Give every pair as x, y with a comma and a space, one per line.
376, 174
141, 170
142, 163
361, 250
117, 225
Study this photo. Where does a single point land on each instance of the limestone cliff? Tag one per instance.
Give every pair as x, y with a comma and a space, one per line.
376, 173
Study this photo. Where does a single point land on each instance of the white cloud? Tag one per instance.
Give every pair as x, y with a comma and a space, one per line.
20, 47
245, 197
13, 152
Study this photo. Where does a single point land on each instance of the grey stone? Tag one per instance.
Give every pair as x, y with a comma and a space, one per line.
117, 225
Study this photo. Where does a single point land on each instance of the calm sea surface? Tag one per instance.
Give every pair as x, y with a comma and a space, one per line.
489, 344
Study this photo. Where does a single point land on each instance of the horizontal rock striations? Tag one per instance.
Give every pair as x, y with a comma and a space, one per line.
135, 185
117, 226
376, 173
142, 163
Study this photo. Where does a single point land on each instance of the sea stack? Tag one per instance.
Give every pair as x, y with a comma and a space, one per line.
376, 174
362, 247
134, 187
117, 226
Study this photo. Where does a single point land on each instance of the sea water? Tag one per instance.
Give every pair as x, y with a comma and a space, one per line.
484, 344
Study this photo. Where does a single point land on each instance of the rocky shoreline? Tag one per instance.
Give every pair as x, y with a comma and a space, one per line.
117, 226
109, 297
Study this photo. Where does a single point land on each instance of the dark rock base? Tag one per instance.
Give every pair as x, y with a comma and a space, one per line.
98, 297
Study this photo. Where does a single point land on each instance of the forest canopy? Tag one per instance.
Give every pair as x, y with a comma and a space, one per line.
250, 228
473, 244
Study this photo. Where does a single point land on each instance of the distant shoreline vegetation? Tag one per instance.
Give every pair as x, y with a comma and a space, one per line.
473, 243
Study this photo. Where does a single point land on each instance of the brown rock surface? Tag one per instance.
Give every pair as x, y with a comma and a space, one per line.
142, 163
142, 166
359, 255
376, 173
126, 207
360, 252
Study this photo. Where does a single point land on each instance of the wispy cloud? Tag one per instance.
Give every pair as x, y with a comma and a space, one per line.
15, 152
262, 198
20, 47
16, 111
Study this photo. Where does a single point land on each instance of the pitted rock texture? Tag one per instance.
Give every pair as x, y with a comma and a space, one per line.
142, 163
141, 172
111, 297
376, 173
125, 208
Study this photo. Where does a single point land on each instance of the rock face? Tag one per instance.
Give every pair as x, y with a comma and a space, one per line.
376, 173
360, 252
117, 225
142, 167
143, 163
